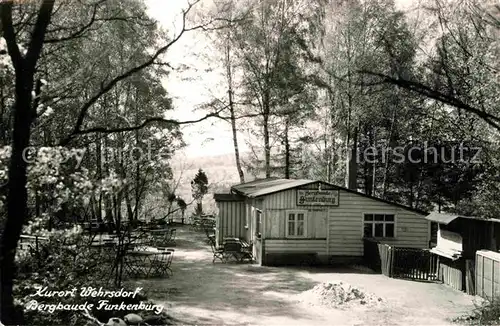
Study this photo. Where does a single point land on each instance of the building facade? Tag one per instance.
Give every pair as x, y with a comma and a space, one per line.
285, 218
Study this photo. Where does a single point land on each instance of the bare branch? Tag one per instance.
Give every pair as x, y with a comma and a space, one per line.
427, 91
108, 86
144, 124
79, 32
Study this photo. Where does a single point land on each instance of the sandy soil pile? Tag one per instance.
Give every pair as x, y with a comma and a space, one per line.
338, 294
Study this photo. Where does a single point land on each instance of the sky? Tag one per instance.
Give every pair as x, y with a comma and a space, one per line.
191, 85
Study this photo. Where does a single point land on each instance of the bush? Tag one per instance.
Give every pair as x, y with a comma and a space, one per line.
486, 313
68, 263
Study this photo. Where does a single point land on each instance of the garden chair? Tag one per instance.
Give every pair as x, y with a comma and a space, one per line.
139, 241
171, 237
135, 265
196, 222
217, 252
232, 249
169, 262
210, 233
246, 250
162, 262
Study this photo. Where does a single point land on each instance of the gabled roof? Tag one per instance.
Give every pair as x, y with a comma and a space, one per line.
263, 187
228, 197
446, 218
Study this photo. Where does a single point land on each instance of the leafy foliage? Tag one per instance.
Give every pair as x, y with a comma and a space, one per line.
199, 188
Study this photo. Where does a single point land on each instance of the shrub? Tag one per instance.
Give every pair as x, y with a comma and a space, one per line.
486, 313
68, 263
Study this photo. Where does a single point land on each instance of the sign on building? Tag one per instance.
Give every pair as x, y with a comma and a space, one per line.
317, 197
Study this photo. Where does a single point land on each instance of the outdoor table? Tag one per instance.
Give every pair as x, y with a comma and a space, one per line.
245, 250
141, 261
107, 251
161, 237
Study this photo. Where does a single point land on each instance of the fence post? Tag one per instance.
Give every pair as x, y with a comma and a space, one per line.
470, 277
390, 267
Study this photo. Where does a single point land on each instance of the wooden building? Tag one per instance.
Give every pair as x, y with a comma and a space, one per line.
285, 218
459, 238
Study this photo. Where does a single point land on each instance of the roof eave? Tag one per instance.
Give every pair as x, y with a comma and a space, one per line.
280, 190
434, 217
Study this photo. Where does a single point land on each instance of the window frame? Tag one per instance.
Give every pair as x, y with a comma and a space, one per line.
374, 222
296, 212
248, 214
258, 222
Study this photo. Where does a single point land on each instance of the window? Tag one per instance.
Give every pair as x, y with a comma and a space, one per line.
296, 224
248, 211
258, 221
378, 226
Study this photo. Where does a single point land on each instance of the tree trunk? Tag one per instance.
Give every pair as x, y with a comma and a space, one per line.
352, 164
229, 73
17, 200
236, 148
373, 172
267, 143
137, 164
267, 147
199, 208
130, 211
386, 156
24, 114
99, 153
287, 152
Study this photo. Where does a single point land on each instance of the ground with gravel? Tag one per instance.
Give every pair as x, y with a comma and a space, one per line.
203, 293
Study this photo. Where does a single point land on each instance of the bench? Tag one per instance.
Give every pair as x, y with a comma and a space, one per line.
235, 248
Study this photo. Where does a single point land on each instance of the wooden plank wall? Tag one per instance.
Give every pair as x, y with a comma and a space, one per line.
346, 225
477, 235
231, 220
296, 246
275, 223
451, 273
276, 205
488, 274
343, 224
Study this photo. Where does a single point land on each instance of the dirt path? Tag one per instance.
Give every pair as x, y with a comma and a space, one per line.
203, 293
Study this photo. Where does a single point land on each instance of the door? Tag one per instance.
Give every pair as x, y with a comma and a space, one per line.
257, 235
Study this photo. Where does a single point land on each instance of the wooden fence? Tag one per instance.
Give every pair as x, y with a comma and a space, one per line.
399, 262
488, 274
452, 273
414, 264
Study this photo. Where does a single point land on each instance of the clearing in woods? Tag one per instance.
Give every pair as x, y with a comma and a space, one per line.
203, 293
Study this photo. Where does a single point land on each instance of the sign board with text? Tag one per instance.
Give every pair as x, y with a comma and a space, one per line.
306, 197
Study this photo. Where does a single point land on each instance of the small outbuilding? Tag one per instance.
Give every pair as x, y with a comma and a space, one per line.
286, 218
459, 239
